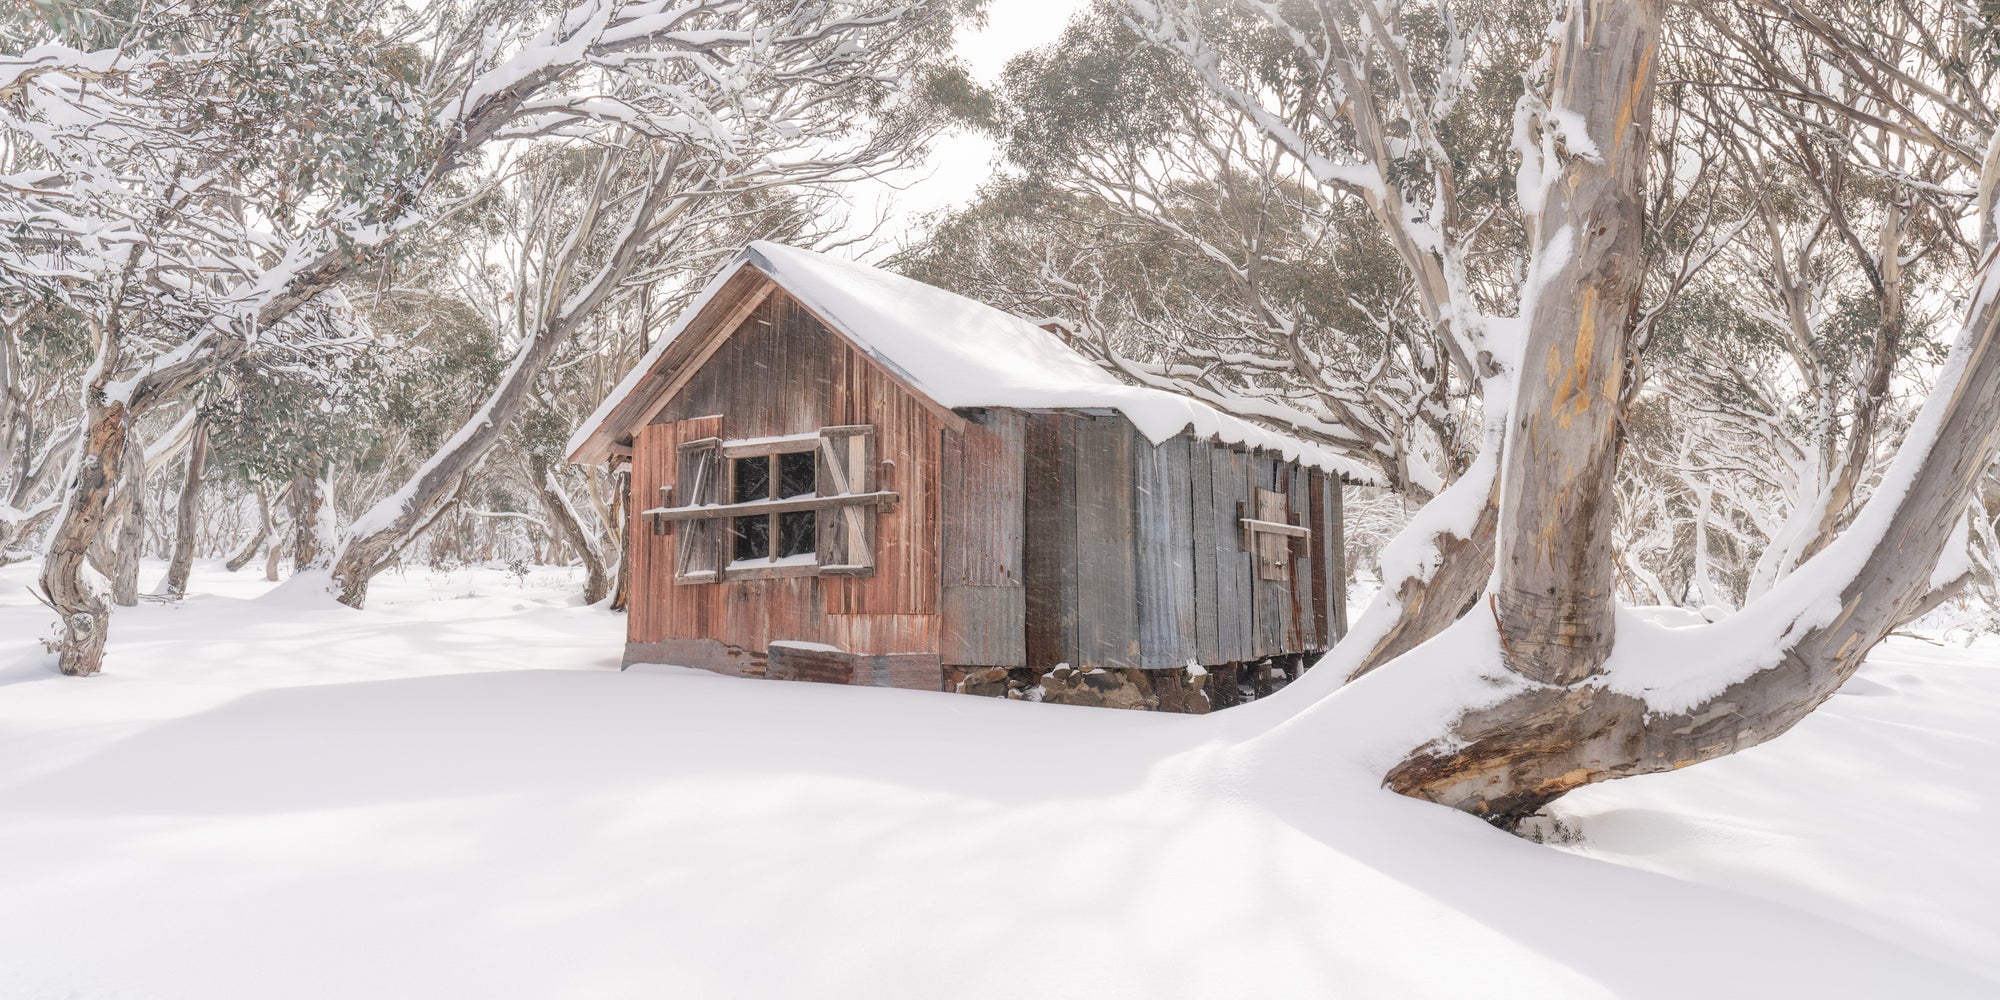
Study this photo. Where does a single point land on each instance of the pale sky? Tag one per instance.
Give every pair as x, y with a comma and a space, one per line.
960, 163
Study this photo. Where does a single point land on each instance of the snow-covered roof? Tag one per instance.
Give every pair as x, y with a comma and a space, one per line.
963, 353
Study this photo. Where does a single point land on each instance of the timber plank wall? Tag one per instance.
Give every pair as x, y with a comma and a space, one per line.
1020, 538
1134, 556
783, 372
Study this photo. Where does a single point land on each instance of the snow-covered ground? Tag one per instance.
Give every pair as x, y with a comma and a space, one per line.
456, 794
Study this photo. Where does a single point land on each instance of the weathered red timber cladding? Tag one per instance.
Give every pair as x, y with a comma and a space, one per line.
783, 372
652, 617
651, 556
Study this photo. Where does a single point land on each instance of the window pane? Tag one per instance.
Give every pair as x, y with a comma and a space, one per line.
795, 533
753, 537
753, 479
797, 474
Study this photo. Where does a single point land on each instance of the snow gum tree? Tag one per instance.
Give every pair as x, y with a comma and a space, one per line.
1573, 691
1184, 250
782, 97
196, 183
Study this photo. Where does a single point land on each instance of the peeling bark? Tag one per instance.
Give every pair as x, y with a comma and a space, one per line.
1554, 573
307, 499
1507, 761
85, 614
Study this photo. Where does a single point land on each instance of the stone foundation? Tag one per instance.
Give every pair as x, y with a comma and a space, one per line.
1181, 691
1185, 690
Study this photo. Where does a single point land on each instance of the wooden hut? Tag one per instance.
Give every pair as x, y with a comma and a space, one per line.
853, 477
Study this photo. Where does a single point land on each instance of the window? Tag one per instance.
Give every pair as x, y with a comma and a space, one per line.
786, 535
800, 504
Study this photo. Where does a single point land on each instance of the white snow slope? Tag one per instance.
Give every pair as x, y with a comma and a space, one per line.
457, 794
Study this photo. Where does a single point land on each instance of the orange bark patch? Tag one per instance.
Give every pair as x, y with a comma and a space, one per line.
1572, 392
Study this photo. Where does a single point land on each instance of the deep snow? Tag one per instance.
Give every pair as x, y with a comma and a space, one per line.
456, 794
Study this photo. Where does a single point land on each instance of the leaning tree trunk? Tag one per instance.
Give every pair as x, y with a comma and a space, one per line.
596, 582
1509, 760
394, 522
13, 533
1560, 728
187, 513
621, 496
1435, 594
85, 615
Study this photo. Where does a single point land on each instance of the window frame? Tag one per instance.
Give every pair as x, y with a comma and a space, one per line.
709, 522
770, 452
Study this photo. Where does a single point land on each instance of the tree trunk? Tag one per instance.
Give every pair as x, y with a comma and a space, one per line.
1428, 604
131, 526
596, 583
249, 551
392, 523
307, 501
1554, 573
1509, 760
272, 556
182, 561
13, 533
621, 498
85, 615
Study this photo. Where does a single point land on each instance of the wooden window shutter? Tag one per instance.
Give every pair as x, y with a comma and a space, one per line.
1269, 539
846, 533
698, 543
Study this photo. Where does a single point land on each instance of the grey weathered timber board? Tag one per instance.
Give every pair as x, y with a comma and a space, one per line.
768, 379
1323, 540
1272, 601
1299, 635
1230, 485
1337, 541
1202, 554
1041, 538
1181, 505
1107, 626
1163, 641
982, 626
1065, 530
1174, 463
983, 606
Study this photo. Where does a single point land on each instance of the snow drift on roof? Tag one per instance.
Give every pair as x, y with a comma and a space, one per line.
964, 353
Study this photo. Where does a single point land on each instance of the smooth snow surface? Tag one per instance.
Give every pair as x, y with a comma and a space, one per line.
457, 794
964, 353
